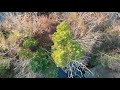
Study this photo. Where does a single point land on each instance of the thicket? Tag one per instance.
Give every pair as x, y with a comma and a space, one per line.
40, 59
40, 43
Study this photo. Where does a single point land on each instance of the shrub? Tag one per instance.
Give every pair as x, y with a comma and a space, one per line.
4, 66
64, 49
109, 42
25, 53
30, 43
94, 59
105, 59
41, 62
99, 59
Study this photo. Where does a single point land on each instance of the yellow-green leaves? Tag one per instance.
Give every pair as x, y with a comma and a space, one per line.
30, 42
64, 49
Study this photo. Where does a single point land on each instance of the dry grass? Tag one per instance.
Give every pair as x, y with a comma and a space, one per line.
2, 42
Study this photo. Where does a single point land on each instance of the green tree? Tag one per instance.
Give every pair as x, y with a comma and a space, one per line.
64, 49
41, 62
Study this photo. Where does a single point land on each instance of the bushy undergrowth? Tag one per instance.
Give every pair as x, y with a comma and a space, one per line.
29, 43
42, 62
105, 53
25, 53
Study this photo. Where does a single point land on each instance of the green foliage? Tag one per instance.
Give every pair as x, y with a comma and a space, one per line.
116, 55
64, 49
94, 59
25, 53
30, 42
41, 62
4, 66
51, 72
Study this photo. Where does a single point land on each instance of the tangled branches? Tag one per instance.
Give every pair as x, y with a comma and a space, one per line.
76, 69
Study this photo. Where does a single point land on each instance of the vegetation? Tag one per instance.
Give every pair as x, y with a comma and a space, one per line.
64, 49
41, 62
2, 42
4, 66
30, 43
36, 44
25, 53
